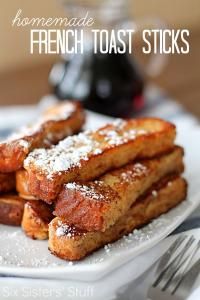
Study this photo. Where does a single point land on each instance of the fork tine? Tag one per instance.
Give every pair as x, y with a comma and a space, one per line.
183, 264
188, 281
169, 270
196, 249
174, 267
168, 254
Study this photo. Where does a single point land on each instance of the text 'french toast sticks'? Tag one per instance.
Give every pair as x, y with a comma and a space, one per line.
36, 217
56, 123
70, 243
98, 204
7, 182
88, 155
11, 209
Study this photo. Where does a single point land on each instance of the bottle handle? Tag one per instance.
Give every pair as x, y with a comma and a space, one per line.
157, 61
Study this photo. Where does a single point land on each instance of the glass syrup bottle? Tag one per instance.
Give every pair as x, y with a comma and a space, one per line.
110, 83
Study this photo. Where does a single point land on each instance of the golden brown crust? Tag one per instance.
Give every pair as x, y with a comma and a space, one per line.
55, 124
71, 243
7, 182
87, 156
97, 205
22, 185
11, 209
58, 128
36, 218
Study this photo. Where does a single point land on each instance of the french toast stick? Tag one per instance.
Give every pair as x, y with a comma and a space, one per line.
7, 182
56, 123
22, 185
11, 209
96, 205
88, 155
70, 243
36, 217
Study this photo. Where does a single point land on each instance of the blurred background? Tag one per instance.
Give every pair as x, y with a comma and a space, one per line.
24, 77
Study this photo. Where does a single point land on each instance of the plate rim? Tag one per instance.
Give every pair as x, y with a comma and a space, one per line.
99, 270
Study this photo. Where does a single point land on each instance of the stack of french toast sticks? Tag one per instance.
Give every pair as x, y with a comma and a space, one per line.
54, 124
85, 190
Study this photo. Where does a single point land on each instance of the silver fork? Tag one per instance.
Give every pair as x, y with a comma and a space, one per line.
175, 276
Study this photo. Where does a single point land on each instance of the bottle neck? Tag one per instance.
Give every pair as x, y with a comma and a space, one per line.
107, 14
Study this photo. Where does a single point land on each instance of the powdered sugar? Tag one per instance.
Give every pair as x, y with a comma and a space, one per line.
114, 137
17, 250
17, 138
63, 112
71, 151
24, 144
57, 113
97, 151
154, 193
66, 230
137, 170
63, 230
68, 153
107, 248
86, 191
